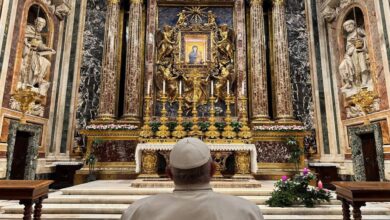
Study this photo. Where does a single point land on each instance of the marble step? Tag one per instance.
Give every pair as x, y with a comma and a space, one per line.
322, 217
118, 209
128, 199
153, 191
66, 216
117, 217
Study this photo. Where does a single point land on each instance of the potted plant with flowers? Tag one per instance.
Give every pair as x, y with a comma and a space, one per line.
296, 191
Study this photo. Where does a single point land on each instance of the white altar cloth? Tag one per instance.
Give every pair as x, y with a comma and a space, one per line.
213, 147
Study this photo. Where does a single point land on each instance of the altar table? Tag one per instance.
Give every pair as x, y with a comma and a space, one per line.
213, 147
358, 193
27, 192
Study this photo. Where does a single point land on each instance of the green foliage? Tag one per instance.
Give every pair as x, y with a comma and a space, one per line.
295, 152
187, 125
296, 191
171, 125
236, 126
220, 125
154, 125
204, 125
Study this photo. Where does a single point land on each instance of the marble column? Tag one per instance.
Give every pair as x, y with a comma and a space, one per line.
283, 89
109, 77
258, 67
133, 84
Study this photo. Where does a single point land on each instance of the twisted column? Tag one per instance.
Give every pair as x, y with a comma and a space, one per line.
284, 108
133, 83
258, 68
109, 79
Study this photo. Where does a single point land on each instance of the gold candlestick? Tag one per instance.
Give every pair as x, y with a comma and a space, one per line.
245, 131
163, 130
179, 129
212, 131
228, 130
146, 130
195, 129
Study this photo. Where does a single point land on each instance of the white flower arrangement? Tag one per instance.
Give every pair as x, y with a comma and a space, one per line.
111, 127
279, 128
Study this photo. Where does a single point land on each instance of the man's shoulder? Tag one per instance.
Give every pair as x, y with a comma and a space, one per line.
233, 199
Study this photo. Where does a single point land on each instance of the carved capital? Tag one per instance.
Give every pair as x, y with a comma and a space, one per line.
113, 2
256, 2
136, 1
278, 2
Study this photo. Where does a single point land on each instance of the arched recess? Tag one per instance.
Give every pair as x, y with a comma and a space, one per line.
356, 73
34, 57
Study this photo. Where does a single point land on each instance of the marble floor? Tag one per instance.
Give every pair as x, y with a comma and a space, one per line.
106, 199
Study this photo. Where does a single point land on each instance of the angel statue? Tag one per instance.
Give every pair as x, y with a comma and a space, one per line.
225, 40
165, 73
195, 92
225, 73
166, 41
211, 19
182, 18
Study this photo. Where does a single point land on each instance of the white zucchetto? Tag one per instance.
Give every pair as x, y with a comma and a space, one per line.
189, 153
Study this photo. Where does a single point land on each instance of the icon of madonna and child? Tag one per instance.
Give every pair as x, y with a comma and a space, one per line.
195, 56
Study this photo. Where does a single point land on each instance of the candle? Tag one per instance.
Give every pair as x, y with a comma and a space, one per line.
164, 87
148, 88
243, 88
212, 87
180, 88
320, 185
227, 88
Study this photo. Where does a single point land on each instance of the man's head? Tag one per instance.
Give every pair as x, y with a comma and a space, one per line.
349, 26
190, 162
39, 23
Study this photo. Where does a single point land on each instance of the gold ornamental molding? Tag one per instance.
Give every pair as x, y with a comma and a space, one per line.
256, 2
136, 1
278, 2
110, 133
113, 2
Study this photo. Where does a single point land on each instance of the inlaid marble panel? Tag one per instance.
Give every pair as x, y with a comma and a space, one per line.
115, 151
299, 61
272, 152
88, 99
300, 70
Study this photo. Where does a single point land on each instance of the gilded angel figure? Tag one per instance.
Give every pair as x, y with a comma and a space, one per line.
225, 44
166, 41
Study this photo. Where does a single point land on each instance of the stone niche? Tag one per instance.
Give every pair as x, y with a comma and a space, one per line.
359, 157
34, 135
356, 56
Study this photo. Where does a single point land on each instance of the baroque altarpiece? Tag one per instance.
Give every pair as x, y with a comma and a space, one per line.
216, 70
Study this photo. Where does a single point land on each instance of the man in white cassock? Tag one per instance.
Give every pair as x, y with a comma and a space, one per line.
191, 169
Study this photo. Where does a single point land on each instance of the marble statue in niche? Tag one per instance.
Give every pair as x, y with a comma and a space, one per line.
357, 84
354, 69
35, 65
